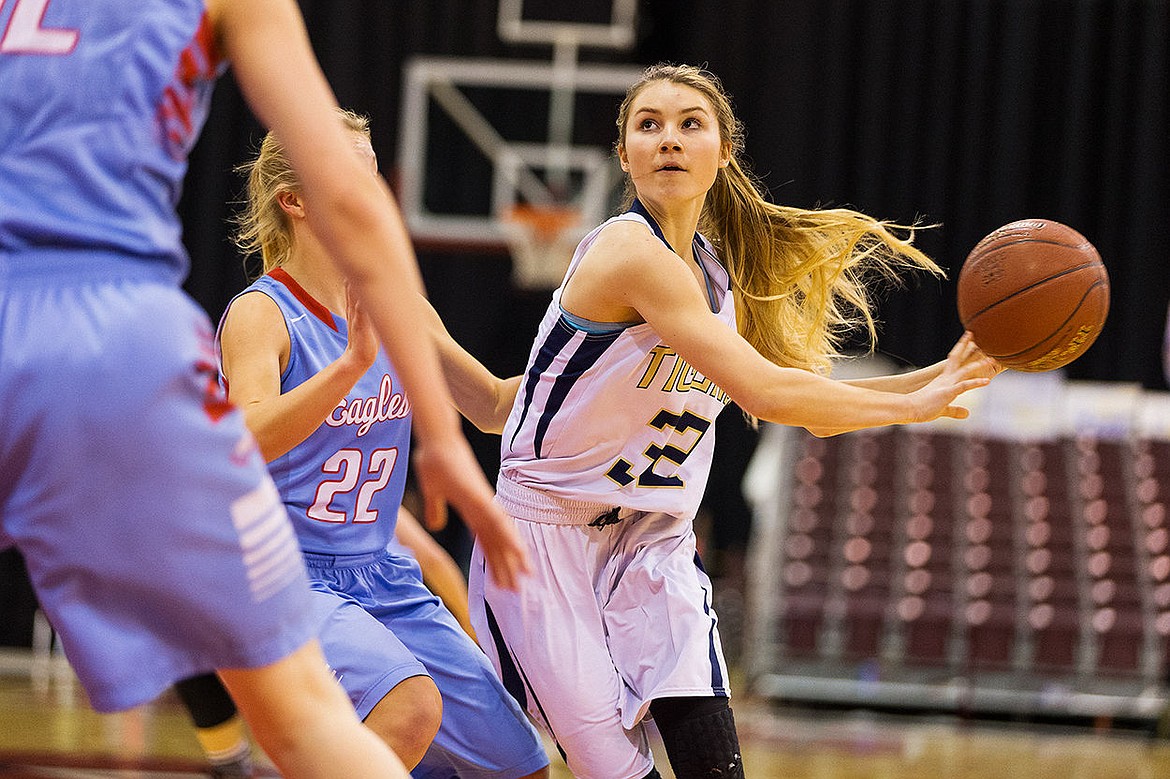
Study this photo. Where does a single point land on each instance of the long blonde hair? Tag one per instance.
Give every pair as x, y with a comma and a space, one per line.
262, 225
799, 276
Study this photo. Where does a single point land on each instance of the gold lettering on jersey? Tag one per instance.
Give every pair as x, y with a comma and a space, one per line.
366, 412
681, 377
671, 384
657, 354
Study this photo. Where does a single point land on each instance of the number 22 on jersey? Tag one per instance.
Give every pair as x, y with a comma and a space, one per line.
348, 465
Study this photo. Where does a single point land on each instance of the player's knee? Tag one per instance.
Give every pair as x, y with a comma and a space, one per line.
699, 736
408, 717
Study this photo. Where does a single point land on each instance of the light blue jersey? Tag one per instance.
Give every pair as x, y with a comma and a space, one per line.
343, 484
342, 487
100, 102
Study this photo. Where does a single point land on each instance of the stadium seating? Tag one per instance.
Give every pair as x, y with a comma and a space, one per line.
1018, 562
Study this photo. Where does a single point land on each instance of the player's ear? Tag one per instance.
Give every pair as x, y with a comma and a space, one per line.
291, 203
623, 159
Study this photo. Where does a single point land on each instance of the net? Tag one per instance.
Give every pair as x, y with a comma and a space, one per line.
542, 239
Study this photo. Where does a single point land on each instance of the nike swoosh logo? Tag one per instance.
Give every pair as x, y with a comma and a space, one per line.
299, 318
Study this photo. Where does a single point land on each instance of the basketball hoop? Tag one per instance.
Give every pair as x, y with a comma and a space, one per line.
542, 239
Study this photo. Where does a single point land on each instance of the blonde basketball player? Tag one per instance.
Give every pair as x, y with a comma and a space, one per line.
700, 292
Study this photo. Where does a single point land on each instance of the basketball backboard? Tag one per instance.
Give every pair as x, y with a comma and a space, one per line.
480, 136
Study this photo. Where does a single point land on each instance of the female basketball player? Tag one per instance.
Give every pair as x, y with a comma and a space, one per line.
154, 537
330, 417
607, 449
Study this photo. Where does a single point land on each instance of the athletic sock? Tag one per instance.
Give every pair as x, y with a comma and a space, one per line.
227, 746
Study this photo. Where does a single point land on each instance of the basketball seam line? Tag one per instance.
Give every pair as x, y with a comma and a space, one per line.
1029, 239
1080, 303
1022, 290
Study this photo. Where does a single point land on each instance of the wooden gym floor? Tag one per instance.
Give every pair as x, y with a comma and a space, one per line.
47, 731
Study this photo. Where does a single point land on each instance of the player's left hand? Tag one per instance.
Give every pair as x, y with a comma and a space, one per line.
362, 344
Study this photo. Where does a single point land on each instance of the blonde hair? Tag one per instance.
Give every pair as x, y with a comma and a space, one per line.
799, 276
262, 226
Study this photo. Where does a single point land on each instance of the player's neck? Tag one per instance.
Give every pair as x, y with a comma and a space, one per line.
319, 279
678, 222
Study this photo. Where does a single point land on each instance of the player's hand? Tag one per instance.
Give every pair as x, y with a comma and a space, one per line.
449, 473
975, 359
966, 368
363, 344
434, 512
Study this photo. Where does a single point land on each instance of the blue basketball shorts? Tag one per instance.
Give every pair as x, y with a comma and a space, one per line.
382, 625
154, 538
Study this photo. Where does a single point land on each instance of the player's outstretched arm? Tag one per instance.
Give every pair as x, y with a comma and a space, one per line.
917, 379
965, 368
354, 215
628, 274
481, 396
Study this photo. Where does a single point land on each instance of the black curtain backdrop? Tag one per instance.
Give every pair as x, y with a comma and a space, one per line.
969, 113
964, 113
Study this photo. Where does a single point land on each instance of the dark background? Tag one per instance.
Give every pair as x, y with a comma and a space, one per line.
964, 113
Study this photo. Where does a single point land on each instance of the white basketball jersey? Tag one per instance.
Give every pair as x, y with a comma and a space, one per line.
616, 418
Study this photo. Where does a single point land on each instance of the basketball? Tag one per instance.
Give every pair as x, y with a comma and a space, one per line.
1034, 294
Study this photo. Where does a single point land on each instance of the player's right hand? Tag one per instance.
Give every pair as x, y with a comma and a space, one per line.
362, 342
966, 368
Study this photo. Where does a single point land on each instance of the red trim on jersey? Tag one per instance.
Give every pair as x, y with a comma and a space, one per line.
307, 300
198, 63
215, 402
205, 41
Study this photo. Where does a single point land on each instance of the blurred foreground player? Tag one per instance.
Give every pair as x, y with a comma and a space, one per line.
154, 538
221, 732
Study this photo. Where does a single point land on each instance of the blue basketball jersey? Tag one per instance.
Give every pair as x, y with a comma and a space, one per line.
614, 416
111, 92
343, 484
342, 487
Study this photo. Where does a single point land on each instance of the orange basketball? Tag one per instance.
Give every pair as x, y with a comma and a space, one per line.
1034, 294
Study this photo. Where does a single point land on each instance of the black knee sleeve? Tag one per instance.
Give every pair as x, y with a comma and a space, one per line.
699, 736
207, 700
